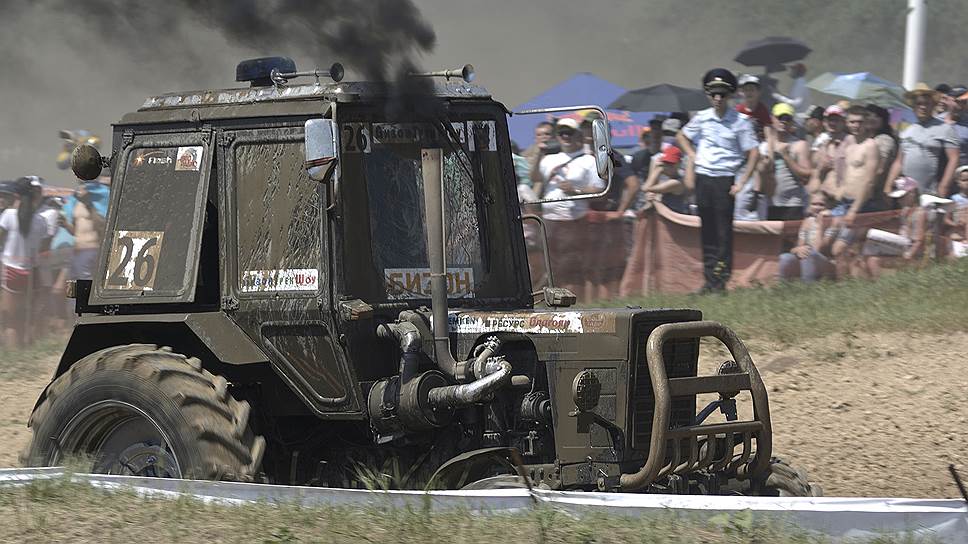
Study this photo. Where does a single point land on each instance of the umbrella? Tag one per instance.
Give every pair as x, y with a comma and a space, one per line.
581, 88
860, 86
661, 98
772, 51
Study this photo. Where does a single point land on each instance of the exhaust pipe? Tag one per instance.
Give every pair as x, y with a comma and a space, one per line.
496, 374
434, 205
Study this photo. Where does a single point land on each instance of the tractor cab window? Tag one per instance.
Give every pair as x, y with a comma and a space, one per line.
154, 226
382, 176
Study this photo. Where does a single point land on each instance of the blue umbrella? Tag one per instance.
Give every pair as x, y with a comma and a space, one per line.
581, 88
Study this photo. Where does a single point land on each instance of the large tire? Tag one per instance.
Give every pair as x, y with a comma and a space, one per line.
784, 480
139, 409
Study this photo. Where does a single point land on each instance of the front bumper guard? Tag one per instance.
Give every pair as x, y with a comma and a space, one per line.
750, 462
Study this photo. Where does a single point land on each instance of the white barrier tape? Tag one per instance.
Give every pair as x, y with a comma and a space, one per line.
836, 517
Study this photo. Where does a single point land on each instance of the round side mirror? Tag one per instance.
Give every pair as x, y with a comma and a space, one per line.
86, 162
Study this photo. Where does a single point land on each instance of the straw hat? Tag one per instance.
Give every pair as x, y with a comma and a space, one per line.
920, 89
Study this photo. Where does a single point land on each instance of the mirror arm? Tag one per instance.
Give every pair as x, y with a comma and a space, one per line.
562, 108
544, 249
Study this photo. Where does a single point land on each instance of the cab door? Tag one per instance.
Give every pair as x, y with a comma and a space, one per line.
276, 273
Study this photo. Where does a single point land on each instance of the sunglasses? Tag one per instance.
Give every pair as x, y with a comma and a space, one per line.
721, 94
566, 131
785, 118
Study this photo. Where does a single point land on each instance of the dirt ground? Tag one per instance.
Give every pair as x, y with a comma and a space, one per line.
865, 415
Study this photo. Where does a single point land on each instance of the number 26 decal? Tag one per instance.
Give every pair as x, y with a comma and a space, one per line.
355, 138
133, 260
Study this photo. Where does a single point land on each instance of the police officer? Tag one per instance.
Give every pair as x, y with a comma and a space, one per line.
718, 141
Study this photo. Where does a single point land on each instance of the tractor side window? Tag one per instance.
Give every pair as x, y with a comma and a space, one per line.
154, 233
278, 218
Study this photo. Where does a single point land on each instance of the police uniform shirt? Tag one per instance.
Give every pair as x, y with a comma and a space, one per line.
721, 143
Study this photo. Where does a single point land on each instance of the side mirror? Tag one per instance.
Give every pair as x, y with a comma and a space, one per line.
87, 162
601, 141
603, 147
321, 148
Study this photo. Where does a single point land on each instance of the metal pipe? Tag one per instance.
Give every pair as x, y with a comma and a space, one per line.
913, 43
454, 396
544, 248
409, 337
465, 72
434, 206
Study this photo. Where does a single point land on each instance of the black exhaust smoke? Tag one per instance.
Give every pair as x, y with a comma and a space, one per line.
377, 37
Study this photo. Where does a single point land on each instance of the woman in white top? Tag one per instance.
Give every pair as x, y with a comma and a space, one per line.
22, 231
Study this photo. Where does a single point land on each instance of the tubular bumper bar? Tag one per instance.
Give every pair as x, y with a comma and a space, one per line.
747, 379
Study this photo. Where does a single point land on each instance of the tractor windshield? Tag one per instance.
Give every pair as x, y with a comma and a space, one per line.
382, 174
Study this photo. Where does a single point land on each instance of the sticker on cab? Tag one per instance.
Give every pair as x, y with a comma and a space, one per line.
577, 322
288, 279
152, 157
189, 158
133, 260
483, 136
404, 283
355, 138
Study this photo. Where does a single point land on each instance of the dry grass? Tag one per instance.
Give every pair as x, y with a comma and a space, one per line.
61, 511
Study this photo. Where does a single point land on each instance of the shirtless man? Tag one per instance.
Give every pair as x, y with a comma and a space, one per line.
857, 193
829, 157
86, 224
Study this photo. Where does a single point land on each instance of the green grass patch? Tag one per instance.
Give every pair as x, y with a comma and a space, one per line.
929, 300
61, 511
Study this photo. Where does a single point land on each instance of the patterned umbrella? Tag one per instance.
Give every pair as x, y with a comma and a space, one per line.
861, 86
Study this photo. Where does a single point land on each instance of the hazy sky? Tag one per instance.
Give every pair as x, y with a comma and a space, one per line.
63, 71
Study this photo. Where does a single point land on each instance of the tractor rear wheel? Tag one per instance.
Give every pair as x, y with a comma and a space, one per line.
145, 411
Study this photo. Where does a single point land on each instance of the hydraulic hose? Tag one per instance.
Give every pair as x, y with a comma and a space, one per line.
409, 337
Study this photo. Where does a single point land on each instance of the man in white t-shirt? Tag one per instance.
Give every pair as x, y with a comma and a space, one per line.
568, 173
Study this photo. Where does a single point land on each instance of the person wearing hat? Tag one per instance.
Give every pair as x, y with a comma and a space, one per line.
958, 119
914, 219
813, 126
22, 233
928, 148
961, 197
717, 141
665, 180
568, 173
751, 105
750, 88
828, 158
787, 170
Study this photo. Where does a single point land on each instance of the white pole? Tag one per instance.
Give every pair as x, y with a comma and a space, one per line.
913, 43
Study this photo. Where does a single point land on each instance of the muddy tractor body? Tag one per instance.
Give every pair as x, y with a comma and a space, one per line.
301, 284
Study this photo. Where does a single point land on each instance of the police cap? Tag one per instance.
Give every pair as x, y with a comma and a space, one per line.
719, 77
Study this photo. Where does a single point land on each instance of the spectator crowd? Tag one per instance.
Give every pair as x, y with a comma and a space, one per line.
867, 193
48, 235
